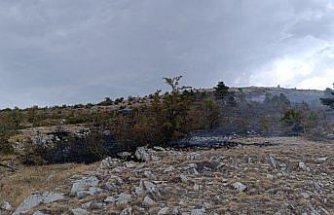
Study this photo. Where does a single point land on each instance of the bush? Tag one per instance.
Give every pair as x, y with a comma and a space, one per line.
65, 148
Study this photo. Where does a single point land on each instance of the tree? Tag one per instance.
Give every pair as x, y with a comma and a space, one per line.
293, 119
221, 90
329, 101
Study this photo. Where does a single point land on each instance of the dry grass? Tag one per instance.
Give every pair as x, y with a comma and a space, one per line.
40, 178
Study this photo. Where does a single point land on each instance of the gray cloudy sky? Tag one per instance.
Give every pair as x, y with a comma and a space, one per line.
72, 51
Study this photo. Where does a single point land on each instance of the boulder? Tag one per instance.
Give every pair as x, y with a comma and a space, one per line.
200, 211
148, 202
164, 211
123, 199
239, 186
303, 166
79, 211
109, 163
83, 185
144, 154
36, 199
5, 206
39, 213
126, 211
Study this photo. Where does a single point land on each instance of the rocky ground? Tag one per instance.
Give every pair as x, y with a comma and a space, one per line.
275, 176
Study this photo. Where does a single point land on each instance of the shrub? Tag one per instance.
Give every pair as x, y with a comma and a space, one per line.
65, 147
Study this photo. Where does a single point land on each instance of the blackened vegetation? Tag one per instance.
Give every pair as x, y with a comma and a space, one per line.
160, 119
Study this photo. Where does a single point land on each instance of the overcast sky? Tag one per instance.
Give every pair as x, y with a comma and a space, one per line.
79, 51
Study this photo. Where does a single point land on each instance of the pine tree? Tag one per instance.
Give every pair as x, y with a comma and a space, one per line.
329, 101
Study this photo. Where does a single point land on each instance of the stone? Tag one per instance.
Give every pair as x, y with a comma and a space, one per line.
139, 191
49, 197
273, 161
150, 188
305, 195
39, 213
126, 211
164, 211
269, 176
109, 163
169, 169
87, 205
200, 211
110, 200
149, 174
194, 156
239, 186
183, 178
36, 199
29, 203
79, 211
5, 206
303, 166
148, 202
84, 185
144, 154
158, 148
93, 191
323, 159
123, 199
197, 187
124, 155
130, 164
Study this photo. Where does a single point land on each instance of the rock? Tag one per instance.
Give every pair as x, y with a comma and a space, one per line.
126, 211
144, 154
92, 191
148, 202
183, 178
29, 203
110, 200
83, 185
87, 205
36, 199
194, 156
273, 161
39, 213
79, 211
149, 174
158, 148
139, 191
123, 199
323, 159
200, 211
124, 155
96, 205
303, 166
130, 164
176, 211
240, 186
164, 211
271, 177
148, 188
109, 163
305, 195
197, 187
49, 197
5, 206
169, 169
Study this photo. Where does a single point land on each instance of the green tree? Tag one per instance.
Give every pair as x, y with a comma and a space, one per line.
221, 90
329, 101
293, 119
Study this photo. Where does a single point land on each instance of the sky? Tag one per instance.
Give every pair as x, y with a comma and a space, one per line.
80, 51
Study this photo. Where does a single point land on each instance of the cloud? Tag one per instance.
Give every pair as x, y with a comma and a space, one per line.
54, 52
